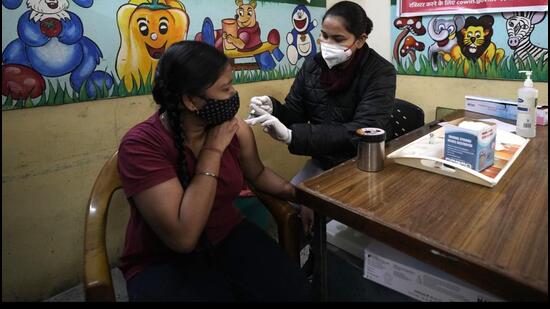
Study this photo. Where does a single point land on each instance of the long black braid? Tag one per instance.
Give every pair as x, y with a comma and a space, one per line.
168, 102
186, 68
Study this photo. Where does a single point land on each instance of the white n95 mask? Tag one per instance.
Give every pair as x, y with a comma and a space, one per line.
335, 54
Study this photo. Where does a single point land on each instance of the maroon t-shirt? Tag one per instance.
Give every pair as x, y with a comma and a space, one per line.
147, 157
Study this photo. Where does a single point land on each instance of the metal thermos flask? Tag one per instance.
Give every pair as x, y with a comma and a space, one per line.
370, 149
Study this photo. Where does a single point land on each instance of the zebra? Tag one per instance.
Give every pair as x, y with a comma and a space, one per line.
519, 26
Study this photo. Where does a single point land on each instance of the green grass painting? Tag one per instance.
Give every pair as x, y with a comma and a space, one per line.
281, 72
58, 94
505, 70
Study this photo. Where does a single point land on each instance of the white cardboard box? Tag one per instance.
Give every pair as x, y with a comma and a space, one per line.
501, 108
491, 106
401, 272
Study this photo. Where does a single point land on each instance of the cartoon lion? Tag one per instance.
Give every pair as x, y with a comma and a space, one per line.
474, 43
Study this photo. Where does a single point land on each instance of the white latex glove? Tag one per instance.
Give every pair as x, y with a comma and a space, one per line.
275, 128
263, 102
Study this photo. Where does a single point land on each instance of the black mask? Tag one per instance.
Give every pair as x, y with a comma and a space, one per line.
215, 111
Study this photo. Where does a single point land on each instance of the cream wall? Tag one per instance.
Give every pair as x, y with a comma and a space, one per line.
379, 12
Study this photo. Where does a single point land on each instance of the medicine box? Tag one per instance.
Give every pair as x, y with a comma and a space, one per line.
474, 149
490, 106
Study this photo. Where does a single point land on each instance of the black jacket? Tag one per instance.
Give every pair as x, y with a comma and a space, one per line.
323, 123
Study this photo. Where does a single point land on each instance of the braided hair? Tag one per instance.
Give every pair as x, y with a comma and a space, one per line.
353, 17
185, 68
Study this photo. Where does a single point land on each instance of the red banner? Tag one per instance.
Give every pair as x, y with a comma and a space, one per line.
406, 8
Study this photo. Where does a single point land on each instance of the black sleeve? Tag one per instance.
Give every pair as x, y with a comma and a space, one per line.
373, 110
293, 110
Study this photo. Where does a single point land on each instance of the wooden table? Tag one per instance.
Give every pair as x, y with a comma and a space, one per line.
495, 238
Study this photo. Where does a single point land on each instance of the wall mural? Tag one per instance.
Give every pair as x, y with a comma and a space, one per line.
67, 51
488, 46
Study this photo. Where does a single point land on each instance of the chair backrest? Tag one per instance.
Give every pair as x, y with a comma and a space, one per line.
98, 284
405, 118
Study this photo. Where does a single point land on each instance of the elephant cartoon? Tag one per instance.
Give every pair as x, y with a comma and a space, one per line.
443, 32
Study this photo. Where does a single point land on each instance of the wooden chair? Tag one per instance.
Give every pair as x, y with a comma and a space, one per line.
98, 284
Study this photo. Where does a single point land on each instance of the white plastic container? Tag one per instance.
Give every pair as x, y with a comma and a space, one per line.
526, 123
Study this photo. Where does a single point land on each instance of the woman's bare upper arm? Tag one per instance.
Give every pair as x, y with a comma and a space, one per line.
250, 160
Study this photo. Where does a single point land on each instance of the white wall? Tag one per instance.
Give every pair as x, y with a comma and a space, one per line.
379, 12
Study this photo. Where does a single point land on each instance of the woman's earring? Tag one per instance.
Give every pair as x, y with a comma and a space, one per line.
194, 108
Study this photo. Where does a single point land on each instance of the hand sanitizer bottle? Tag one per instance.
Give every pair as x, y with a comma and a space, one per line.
527, 108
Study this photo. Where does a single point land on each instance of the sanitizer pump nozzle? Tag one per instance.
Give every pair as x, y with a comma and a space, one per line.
528, 81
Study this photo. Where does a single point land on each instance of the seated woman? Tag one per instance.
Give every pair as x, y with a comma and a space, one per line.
182, 170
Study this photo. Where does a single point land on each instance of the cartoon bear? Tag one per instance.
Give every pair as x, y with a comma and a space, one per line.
248, 33
246, 40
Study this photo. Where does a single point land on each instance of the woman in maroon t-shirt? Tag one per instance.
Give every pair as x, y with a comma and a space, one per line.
182, 170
